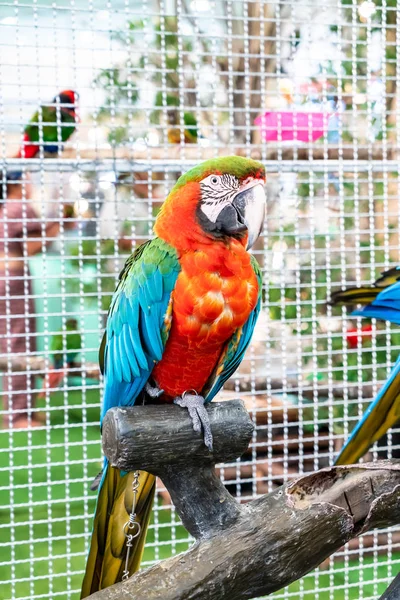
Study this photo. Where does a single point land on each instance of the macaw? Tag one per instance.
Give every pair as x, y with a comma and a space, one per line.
380, 301
178, 326
73, 344
55, 122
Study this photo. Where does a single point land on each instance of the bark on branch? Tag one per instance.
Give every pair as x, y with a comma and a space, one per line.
249, 550
393, 591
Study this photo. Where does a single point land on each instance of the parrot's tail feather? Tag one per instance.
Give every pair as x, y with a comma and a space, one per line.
381, 414
51, 381
365, 295
352, 296
106, 560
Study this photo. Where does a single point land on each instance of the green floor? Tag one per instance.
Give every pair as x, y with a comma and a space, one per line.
52, 471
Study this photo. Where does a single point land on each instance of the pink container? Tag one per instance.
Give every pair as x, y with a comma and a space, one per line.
292, 125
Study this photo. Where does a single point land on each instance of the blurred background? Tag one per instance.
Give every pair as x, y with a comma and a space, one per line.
310, 88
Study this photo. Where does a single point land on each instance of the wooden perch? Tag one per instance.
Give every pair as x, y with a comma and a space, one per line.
242, 551
393, 591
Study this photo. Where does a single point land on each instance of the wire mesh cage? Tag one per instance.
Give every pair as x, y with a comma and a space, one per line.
310, 88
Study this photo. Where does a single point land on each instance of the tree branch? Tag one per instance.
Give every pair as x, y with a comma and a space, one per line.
393, 591
242, 551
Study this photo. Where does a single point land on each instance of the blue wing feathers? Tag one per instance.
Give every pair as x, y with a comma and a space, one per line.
392, 292
134, 312
157, 287
383, 306
143, 300
384, 313
137, 348
136, 321
125, 362
149, 335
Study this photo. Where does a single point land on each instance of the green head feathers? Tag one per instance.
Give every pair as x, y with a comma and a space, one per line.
238, 166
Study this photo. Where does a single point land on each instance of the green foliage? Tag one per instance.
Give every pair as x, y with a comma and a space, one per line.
158, 65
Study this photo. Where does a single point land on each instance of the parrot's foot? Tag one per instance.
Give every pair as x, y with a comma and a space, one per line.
153, 390
195, 405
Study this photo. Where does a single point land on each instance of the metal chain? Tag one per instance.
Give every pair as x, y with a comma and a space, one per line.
132, 528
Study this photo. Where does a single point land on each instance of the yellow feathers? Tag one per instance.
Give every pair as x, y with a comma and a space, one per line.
363, 295
106, 560
384, 413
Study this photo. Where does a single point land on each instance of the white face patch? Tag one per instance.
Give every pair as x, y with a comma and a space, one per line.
217, 191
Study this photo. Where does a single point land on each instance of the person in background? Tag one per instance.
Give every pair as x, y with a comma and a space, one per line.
21, 231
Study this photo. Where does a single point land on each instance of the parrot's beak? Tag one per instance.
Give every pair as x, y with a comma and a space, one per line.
247, 211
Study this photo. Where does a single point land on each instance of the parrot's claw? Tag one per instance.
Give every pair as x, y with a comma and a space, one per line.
153, 390
197, 412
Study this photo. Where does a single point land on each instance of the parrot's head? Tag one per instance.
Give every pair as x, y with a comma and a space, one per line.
71, 324
220, 199
68, 101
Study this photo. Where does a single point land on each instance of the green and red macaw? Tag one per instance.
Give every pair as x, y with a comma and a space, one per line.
73, 344
379, 301
51, 125
178, 326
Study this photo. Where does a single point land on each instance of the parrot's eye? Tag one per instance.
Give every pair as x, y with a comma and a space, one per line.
221, 183
218, 188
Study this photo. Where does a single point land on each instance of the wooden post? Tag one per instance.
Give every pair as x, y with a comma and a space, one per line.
242, 551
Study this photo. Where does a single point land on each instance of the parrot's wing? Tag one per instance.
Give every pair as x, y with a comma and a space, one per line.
74, 340
352, 296
381, 414
138, 322
74, 345
56, 350
385, 306
236, 347
52, 124
138, 326
56, 342
379, 301
32, 128
388, 277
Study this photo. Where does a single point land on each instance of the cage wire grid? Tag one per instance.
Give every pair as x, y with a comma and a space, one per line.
162, 86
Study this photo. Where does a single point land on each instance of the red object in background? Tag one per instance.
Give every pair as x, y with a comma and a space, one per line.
353, 333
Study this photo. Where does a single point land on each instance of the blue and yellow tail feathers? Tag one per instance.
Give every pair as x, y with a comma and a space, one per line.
362, 295
106, 559
380, 301
382, 413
